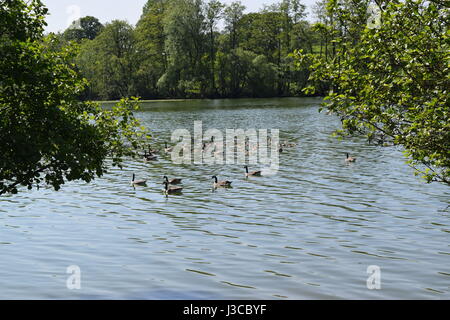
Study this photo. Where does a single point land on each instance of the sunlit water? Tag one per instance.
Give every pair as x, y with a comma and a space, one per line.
309, 232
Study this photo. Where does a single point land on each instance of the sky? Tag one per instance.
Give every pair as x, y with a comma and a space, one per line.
63, 12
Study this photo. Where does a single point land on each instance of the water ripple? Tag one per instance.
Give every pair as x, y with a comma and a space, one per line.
308, 232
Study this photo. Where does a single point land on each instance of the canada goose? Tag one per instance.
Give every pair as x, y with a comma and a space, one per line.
253, 173
214, 142
249, 146
167, 149
209, 143
172, 181
206, 147
149, 157
171, 190
137, 182
350, 159
218, 183
288, 144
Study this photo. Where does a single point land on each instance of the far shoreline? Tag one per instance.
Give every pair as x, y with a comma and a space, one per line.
204, 99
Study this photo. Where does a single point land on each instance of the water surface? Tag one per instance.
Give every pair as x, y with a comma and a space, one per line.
309, 232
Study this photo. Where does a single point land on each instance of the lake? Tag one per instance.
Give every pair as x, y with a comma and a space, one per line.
311, 231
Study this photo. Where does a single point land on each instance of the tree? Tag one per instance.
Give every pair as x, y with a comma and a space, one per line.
273, 33
261, 33
47, 135
233, 14
83, 28
390, 81
177, 49
109, 61
262, 77
151, 5
291, 13
213, 12
150, 47
185, 29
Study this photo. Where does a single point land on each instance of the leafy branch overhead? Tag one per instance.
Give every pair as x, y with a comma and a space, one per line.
47, 135
390, 82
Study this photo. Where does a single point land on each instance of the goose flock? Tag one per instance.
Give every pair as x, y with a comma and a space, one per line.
171, 185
